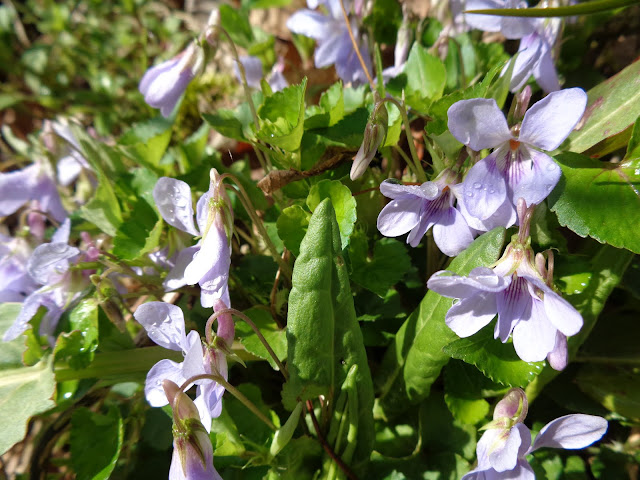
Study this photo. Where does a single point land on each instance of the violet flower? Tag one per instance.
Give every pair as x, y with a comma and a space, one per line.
164, 84
503, 448
253, 73
516, 168
15, 282
528, 309
416, 209
192, 457
208, 262
333, 42
510, 27
165, 325
34, 182
49, 266
535, 57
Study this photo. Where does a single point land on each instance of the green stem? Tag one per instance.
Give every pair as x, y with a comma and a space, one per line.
417, 167
586, 8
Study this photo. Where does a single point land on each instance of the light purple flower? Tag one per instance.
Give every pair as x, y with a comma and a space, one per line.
416, 209
34, 182
164, 84
333, 42
253, 72
15, 282
164, 324
510, 27
208, 262
528, 309
516, 168
503, 448
192, 457
48, 266
535, 57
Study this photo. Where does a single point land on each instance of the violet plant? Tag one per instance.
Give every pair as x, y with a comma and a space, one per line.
406, 243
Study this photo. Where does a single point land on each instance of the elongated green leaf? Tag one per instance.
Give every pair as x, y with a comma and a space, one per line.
413, 362
323, 336
613, 106
585, 8
344, 205
96, 441
607, 268
599, 199
282, 116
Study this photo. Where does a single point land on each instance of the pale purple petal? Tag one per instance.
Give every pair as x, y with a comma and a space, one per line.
504, 216
163, 370
517, 27
164, 324
252, 69
28, 310
523, 471
488, 23
50, 261
175, 278
173, 199
505, 458
348, 66
533, 177
478, 123
428, 190
480, 279
451, 233
310, 24
548, 122
561, 313
194, 359
16, 188
427, 220
514, 305
208, 298
534, 338
545, 72
68, 170
277, 81
47, 194
484, 189
558, 358
471, 314
203, 209
214, 249
400, 215
61, 235
571, 432
527, 58
329, 47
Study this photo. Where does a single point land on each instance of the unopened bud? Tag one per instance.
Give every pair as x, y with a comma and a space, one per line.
513, 406
374, 134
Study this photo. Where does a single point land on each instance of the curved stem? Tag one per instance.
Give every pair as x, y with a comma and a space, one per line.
248, 321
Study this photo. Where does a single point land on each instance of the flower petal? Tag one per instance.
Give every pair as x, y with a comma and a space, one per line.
561, 313
451, 233
504, 216
478, 123
164, 324
548, 122
533, 177
17, 188
534, 338
506, 458
50, 261
329, 47
545, 72
310, 24
488, 23
558, 358
517, 27
214, 249
571, 431
428, 190
514, 305
163, 370
480, 279
252, 69
28, 310
175, 278
471, 314
528, 54
173, 199
400, 215
484, 189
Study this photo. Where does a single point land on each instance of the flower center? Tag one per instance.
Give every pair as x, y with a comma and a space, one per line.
514, 144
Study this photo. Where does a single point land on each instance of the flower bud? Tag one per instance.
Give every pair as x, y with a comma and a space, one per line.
513, 406
374, 134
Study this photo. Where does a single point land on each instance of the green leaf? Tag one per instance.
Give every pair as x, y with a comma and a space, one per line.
77, 347
323, 336
24, 392
329, 111
465, 387
388, 265
414, 360
616, 388
633, 147
607, 267
292, 227
423, 79
236, 23
139, 234
284, 434
384, 20
498, 361
96, 441
613, 105
11, 352
282, 116
586, 8
599, 199
273, 335
234, 124
343, 204
148, 140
